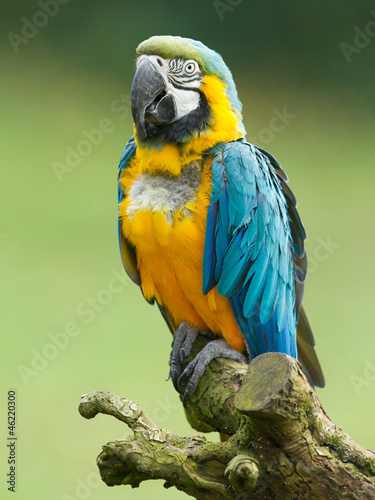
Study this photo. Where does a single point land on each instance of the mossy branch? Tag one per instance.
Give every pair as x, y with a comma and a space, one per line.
282, 444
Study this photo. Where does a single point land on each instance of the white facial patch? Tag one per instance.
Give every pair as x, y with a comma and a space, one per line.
186, 100
178, 83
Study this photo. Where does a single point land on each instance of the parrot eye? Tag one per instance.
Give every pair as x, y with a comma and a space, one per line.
190, 67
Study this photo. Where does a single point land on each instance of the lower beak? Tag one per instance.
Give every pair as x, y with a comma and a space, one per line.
149, 100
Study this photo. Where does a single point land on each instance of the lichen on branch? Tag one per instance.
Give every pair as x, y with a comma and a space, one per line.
282, 444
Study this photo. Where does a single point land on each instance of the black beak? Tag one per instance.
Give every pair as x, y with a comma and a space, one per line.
149, 100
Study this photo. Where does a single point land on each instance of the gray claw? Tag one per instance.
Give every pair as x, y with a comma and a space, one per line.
194, 370
183, 341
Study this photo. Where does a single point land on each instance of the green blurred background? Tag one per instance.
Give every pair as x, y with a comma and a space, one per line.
58, 241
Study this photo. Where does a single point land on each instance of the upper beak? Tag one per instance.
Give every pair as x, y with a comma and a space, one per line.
149, 101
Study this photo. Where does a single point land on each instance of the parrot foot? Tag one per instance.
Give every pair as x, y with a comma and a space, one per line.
183, 341
194, 370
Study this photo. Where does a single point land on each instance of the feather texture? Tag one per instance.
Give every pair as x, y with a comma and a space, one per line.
240, 214
126, 249
253, 246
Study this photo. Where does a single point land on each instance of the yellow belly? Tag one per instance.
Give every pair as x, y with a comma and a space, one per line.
170, 261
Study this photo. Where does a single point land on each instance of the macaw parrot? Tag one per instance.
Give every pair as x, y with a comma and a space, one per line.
208, 227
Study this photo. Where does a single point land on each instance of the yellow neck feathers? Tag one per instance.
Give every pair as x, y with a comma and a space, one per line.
224, 126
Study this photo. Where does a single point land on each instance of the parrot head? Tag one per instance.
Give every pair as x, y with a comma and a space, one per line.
183, 94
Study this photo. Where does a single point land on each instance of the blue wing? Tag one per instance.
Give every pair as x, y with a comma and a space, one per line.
126, 249
305, 339
249, 249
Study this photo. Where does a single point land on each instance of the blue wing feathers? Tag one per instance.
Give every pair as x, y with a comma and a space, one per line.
270, 295
281, 306
209, 255
126, 156
254, 246
252, 251
127, 251
252, 341
256, 286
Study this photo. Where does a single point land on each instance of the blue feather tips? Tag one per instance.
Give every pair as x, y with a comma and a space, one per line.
248, 251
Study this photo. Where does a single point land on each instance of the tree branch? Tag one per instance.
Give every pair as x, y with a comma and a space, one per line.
282, 445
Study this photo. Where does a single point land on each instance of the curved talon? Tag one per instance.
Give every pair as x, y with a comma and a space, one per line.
184, 400
183, 357
183, 341
186, 374
214, 349
174, 376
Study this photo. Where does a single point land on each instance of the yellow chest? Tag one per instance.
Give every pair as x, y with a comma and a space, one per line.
159, 207
164, 218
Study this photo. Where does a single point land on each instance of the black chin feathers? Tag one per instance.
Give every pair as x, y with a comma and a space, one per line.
183, 129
